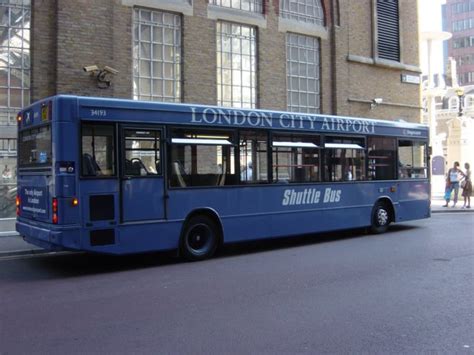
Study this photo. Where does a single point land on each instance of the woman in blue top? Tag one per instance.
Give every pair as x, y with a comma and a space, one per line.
452, 183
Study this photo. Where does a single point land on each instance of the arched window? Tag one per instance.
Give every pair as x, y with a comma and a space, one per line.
453, 103
469, 101
309, 11
244, 5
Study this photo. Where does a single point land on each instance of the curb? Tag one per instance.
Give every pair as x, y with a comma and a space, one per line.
451, 210
24, 252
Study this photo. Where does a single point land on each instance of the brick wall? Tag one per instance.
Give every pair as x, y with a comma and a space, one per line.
70, 34
199, 53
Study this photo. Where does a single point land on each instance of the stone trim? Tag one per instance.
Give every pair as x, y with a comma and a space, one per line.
383, 63
183, 6
233, 15
288, 25
384, 103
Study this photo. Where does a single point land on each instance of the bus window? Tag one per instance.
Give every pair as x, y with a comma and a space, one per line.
142, 152
295, 158
412, 159
35, 147
344, 159
253, 157
98, 157
202, 158
381, 156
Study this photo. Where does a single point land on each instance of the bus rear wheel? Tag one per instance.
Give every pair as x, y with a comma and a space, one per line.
199, 239
380, 218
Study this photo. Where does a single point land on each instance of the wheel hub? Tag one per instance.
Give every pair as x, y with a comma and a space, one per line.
382, 217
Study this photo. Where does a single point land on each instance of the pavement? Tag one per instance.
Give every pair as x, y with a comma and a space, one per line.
12, 244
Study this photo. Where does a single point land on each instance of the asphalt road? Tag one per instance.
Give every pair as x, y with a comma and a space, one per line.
410, 290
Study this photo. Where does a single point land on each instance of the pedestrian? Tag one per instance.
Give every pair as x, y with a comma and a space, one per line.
246, 172
6, 173
466, 185
452, 184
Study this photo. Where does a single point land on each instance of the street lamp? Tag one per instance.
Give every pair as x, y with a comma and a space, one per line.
460, 93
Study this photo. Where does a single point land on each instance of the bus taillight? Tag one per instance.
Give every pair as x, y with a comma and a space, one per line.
18, 201
55, 210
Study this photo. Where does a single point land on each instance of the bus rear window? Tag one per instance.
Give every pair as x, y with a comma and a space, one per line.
34, 148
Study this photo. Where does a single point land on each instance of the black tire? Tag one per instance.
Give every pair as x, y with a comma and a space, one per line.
199, 238
380, 218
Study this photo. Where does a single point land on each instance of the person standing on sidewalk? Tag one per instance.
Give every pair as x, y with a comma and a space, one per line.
467, 186
452, 183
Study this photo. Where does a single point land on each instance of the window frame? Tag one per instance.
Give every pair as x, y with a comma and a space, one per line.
286, 13
18, 152
257, 4
363, 148
123, 150
290, 90
393, 165
305, 135
137, 58
220, 68
269, 162
231, 132
376, 35
114, 150
426, 159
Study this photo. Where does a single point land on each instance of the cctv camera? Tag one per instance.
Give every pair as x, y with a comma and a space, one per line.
377, 100
110, 70
91, 68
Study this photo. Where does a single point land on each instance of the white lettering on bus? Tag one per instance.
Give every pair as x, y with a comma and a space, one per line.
213, 118
347, 125
193, 116
311, 121
219, 116
231, 117
283, 118
308, 196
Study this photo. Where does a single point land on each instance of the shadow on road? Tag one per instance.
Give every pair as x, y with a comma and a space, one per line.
83, 264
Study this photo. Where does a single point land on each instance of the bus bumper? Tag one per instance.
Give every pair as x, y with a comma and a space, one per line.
48, 239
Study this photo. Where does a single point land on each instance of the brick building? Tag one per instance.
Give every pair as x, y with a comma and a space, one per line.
315, 56
328, 56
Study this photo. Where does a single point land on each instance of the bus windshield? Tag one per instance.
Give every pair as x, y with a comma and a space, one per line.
35, 147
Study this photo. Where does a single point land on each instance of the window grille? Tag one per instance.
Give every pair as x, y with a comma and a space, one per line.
310, 11
303, 70
236, 65
157, 56
244, 5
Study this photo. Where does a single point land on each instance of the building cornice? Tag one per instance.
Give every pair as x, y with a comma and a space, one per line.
383, 63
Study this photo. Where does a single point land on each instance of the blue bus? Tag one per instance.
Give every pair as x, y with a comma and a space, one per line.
122, 176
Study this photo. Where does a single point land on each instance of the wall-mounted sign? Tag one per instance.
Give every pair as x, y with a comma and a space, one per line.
410, 79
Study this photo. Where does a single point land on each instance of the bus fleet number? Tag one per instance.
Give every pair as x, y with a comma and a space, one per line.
98, 113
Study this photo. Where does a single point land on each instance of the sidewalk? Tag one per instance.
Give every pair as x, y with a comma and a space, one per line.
11, 244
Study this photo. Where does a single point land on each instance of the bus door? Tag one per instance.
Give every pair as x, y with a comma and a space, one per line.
142, 182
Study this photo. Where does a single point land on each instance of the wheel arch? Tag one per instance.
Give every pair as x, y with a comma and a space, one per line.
387, 201
210, 213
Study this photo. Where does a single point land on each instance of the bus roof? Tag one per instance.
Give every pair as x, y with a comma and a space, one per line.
113, 109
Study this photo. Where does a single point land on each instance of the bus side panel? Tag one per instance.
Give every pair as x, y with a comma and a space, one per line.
281, 210
138, 238
414, 200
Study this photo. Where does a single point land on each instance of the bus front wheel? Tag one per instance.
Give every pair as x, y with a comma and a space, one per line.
380, 218
199, 238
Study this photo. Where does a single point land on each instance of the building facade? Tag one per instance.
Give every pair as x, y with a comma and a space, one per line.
458, 18
323, 56
311, 56
15, 18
